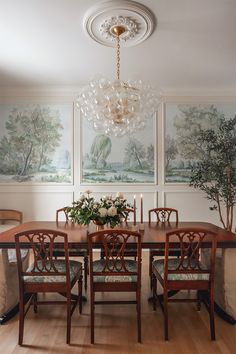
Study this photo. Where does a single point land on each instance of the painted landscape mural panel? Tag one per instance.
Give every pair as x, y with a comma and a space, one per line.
182, 125
118, 159
36, 143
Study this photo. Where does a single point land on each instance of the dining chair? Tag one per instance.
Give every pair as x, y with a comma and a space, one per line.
115, 273
186, 272
47, 274
128, 252
10, 215
162, 215
73, 252
9, 296
128, 212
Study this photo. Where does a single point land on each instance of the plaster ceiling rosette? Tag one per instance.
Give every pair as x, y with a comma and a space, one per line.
137, 20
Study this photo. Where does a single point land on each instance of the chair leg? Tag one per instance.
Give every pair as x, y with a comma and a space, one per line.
165, 303
35, 299
198, 300
80, 288
92, 314
85, 272
138, 299
154, 291
68, 318
151, 259
211, 313
21, 319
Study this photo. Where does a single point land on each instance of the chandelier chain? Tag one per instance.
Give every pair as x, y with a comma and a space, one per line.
118, 58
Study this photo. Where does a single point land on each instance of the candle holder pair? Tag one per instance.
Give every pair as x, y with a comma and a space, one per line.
135, 226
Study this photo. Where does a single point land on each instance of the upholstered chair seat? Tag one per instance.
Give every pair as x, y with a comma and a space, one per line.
60, 265
159, 266
99, 266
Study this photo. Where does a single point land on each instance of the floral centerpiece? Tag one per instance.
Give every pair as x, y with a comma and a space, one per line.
107, 210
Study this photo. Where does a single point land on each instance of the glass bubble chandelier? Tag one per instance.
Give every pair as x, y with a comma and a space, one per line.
118, 107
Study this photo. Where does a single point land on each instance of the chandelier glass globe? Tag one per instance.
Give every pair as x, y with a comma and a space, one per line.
118, 107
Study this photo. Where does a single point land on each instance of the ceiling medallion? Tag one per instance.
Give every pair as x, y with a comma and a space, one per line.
130, 25
137, 19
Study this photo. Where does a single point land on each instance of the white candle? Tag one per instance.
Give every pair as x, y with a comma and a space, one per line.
135, 209
141, 208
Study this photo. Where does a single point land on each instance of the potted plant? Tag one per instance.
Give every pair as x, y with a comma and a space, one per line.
215, 171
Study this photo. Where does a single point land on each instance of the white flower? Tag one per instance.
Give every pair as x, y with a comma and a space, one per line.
112, 211
120, 195
102, 212
88, 191
82, 197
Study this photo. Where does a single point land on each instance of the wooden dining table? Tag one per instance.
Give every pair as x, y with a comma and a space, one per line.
153, 235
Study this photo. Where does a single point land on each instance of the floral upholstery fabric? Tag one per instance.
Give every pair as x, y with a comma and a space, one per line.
12, 255
60, 265
172, 265
98, 266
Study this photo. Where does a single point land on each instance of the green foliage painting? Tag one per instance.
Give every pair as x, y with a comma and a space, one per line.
183, 125
34, 143
128, 159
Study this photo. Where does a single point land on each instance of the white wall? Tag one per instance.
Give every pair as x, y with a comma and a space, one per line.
39, 202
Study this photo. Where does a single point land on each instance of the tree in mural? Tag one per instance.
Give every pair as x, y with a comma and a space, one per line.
134, 153
189, 123
150, 155
100, 150
171, 150
215, 172
32, 136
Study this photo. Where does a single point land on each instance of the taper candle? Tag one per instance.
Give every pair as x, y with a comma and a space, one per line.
135, 209
141, 208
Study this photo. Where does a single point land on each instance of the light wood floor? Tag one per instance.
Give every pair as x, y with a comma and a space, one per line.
115, 330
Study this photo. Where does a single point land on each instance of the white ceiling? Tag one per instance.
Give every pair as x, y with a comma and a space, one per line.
42, 43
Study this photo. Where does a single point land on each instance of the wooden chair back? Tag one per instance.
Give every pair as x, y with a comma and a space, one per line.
62, 211
127, 213
114, 245
42, 244
164, 214
10, 215
189, 243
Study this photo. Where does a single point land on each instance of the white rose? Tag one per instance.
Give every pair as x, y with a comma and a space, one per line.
120, 195
112, 211
102, 212
82, 197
